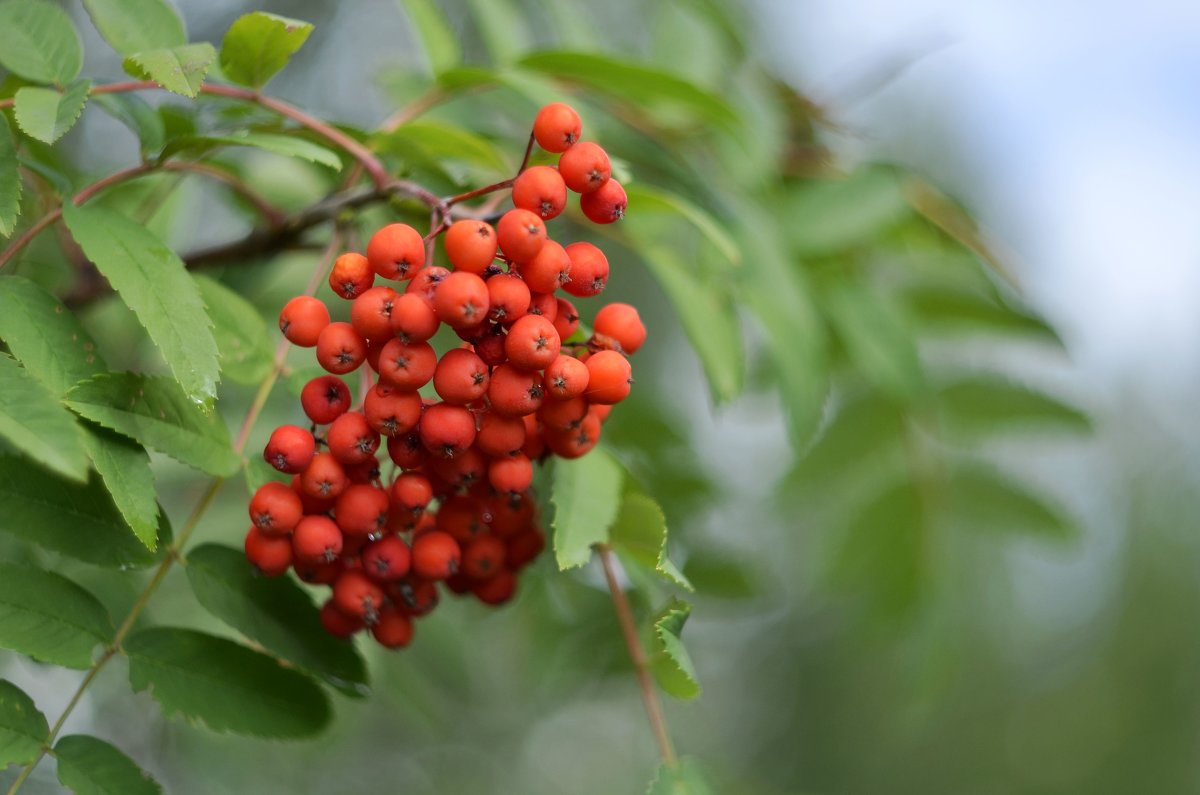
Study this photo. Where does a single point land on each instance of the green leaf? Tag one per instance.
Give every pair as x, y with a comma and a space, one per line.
938, 309
978, 407
124, 467
503, 28
241, 333
154, 411
225, 686
23, 728
47, 115
866, 428
50, 618
982, 499
642, 86
706, 311
37, 424
883, 555
646, 199
180, 70
139, 116
723, 574
258, 45
586, 495
685, 778
10, 179
670, 662
287, 145
435, 141
274, 612
153, 282
827, 216
38, 42
877, 338
441, 45
77, 520
46, 336
640, 533
137, 25
88, 766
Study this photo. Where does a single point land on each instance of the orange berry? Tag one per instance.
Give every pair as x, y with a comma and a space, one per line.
351, 276
585, 167
622, 324
606, 204
461, 300
547, 271
471, 245
609, 377
396, 251
532, 343
556, 127
540, 190
302, 320
521, 234
371, 312
589, 270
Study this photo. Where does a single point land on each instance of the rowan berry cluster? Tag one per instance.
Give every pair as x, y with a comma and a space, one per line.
523, 385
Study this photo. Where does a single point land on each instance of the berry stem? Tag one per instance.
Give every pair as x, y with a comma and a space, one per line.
486, 189
641, 665
174, 553
528, 152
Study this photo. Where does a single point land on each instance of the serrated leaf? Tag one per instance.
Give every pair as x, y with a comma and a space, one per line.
640, 85
982, 499
684, 778
876, 337
639, 533
50, 618
46, 336
274, 612
89, 766
827, 216
670, 662
503, 27
132, 26
124, 467
586, 495
77, 520
153, 282
258, 45
241, 333
47, 115
154, 411
34, 421
286, 145
433, 142
978, 407
441, 47
10, 179
225, 686
936, 308
180, 70
645, 199
139, 116
23, 728
38, 42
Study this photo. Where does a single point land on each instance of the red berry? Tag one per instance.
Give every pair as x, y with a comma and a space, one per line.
621, 324
483, 557
271, 555
387, 559
357, 596
275, 508
337, 623
609, 377
547, 271
340, 349
324, 478
511, 475
575, 442
500, 436
521, 234
418, 597
496, 590
565, 377
525, 546
544, 304
396, 251
289, 449
463, 470
461, 377
532, 343
540, 190
606, 204
325, 398
508, 298
461, 300
589, 270
302, 319
447, 430
413, 318
585, 167
317, 539
515, 392
393, 629
351, 276
563, 415
407, 366
511, 513
566, 320
390, 411
471, 246
435, 556
362, 509
411, 492
371, 312
425, 284
406, 451
556, 127
351, 440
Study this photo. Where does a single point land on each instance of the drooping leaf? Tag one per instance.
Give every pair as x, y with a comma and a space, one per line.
240, 331
286, 145
132, 26
685, 778
258, 45
437, 141
50, 618
34, 421
640, 85
670, 662
723, 574
274, 612
38, 42
223, 685
503, 28
138, 115
89, 766
441, 46
984, 500
867, 428
980, 406
180, 70
124, 467
882, 556
153, 282
936, 308
10, 179
23, 728
77, 520
154, 411
639, 533
47, 115
877, 338
47, 337
586, 495
647, 199
826, 216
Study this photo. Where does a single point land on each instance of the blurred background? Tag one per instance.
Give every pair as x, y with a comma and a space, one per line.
945, 539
